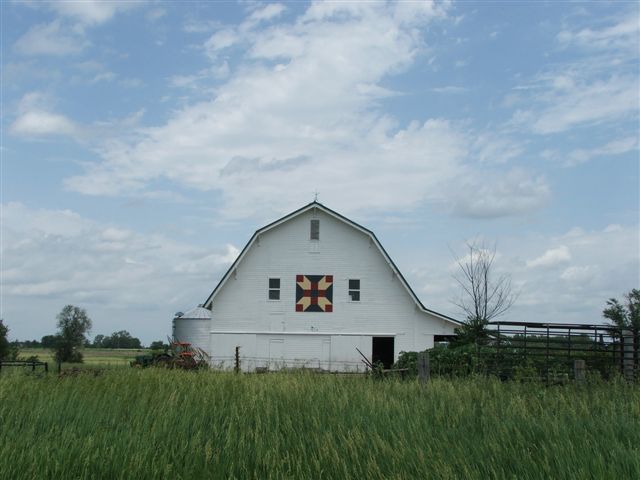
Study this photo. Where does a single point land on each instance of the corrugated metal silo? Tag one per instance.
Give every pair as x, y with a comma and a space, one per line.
193, 327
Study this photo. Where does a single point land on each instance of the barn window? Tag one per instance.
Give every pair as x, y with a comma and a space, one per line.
354, 289
274, 289
315, 230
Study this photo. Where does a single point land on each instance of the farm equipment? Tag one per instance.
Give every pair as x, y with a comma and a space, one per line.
178, 355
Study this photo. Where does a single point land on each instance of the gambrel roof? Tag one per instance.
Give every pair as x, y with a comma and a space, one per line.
317, 205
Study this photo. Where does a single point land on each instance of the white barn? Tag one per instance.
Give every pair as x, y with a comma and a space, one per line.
306, 291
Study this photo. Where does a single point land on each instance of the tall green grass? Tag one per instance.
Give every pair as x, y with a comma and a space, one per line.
160, 424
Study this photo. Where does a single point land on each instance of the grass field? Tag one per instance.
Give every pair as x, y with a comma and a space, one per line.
93, 357
156, 424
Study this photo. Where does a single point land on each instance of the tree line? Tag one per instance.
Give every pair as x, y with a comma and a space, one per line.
73, 325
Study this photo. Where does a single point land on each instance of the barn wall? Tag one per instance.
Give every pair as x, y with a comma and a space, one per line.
385, 306
274, 351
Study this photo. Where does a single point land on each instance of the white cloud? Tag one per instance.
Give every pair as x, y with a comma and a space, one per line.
50, 39
66, 34
615, 147
587, 103
40, 123
602, 264
311, 90
582, 274
264, 14
584, 268
623, 34
496, 148
35, 118
487, 195
551, 258
92, 12
110, 268
599, 86
221, 40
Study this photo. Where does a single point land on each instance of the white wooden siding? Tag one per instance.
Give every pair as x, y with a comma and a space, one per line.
385, 305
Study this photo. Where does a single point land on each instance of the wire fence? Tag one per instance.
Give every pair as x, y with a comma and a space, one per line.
28, 364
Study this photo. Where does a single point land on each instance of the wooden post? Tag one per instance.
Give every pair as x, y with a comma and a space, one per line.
579, 369
423, 367
237, 360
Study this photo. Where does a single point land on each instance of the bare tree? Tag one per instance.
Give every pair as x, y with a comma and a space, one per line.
484, 295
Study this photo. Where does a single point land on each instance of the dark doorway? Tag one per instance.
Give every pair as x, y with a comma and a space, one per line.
382, 351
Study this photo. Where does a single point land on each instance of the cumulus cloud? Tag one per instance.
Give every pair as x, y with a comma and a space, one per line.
312, 89
570, 281
35, 118
60, 256
551, 257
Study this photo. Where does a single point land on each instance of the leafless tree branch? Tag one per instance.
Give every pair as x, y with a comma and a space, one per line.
484, 296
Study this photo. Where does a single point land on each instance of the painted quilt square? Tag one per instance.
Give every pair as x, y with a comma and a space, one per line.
314, 293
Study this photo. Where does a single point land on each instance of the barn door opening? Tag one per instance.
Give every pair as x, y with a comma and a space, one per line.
382, 351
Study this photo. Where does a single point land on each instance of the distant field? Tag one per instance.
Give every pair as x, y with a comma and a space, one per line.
155, 424
92, 356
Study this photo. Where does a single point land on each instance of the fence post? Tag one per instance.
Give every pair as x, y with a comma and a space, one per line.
423, 367
627, 354
579, 370
237, 360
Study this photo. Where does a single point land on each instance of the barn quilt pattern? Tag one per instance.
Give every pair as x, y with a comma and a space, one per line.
314, 293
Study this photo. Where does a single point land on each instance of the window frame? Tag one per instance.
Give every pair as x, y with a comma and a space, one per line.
354, 290
272, 289
317, 230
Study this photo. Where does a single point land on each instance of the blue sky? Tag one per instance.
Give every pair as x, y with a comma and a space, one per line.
143, 143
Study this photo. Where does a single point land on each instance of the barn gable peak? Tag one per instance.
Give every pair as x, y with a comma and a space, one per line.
315, 205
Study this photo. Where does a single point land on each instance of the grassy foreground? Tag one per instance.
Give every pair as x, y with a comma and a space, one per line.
160, 424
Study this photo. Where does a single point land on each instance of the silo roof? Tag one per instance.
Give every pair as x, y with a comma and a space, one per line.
197, 313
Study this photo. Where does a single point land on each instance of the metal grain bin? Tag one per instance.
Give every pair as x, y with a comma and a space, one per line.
193, 327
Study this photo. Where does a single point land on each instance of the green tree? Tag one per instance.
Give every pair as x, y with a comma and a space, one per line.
8, 350
121, 339
98, 341
73, 324
4, 341
49, 341
158, 345
624, 316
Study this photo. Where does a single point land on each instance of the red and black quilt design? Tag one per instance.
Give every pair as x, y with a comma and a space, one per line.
314, 293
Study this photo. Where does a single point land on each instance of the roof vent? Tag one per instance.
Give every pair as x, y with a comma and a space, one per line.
179, 314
